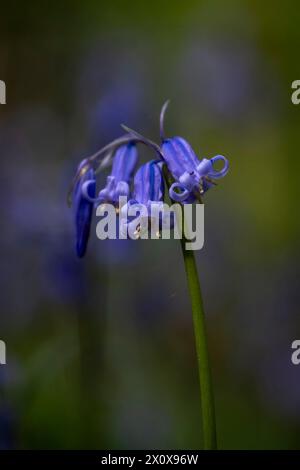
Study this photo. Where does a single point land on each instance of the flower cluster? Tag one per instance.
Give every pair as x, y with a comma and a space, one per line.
191, 178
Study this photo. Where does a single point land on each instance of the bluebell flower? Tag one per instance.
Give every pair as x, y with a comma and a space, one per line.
148, 183
124, 164
83, 188
99, 160
83, 195
148, 194
193, 177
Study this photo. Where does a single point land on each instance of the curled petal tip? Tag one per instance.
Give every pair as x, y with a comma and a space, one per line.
219, 173
178, 196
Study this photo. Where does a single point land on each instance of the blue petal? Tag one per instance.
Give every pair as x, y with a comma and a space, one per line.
124, 164
83, 211
149, 183
179, 156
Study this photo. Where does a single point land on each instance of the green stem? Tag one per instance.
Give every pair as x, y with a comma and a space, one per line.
206, 388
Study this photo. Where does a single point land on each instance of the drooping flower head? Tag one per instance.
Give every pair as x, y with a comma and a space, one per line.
193, 176
191, 179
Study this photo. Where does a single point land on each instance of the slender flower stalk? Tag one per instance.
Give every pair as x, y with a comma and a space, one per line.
206, 387
205, 379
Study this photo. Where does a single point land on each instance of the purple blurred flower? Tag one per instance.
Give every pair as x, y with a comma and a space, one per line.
109, 91
226, 77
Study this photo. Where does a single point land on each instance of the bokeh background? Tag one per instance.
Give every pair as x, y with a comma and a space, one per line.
100, 351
